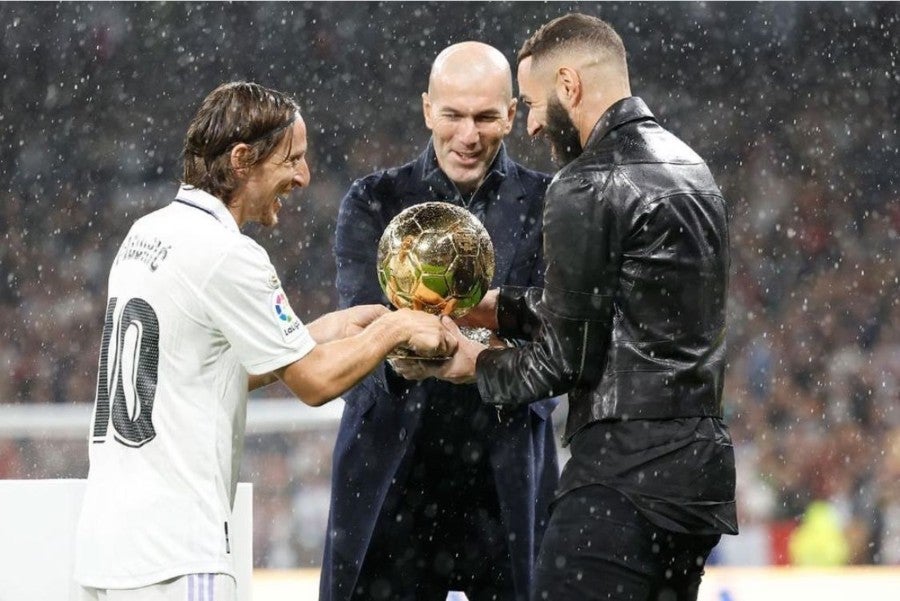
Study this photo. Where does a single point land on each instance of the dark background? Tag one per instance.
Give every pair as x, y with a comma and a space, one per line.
794, 105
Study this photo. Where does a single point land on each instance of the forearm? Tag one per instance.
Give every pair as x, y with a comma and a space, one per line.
516, 313
332, 368
548, 366
326, 328
261, 380
566, 353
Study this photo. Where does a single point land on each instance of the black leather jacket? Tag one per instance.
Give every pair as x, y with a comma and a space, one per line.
631, 321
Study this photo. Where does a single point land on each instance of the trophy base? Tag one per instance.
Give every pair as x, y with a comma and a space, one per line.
479, 335
405, 353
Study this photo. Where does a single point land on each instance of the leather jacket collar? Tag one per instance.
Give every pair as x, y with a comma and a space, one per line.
621, 112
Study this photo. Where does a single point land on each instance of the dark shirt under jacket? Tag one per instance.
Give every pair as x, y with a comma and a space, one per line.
678, 472
631, 323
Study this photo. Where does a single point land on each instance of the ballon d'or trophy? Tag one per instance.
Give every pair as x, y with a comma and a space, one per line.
436, 257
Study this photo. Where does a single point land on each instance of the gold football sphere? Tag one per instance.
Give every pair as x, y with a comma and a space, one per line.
435, 257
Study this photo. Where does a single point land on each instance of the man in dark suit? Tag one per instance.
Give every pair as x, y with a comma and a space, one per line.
433, 490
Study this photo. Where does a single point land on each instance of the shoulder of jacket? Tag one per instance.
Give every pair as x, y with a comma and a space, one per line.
531, 177
650, 142
583, 171
386, 179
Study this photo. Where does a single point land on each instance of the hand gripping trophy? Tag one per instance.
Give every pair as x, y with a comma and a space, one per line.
436, 257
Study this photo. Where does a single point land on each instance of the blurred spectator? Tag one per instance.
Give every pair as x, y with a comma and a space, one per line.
819, 541
886, 536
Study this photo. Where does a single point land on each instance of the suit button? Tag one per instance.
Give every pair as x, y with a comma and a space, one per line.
402, 433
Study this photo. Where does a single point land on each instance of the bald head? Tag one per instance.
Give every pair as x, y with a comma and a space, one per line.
469, 108
472, 64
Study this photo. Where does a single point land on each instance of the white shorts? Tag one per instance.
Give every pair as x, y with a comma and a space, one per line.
192, 587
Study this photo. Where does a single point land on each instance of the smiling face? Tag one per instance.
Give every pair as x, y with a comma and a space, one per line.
261, 195
546, 115
469, 111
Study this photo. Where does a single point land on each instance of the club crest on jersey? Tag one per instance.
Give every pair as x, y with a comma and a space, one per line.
272, 280
287, 321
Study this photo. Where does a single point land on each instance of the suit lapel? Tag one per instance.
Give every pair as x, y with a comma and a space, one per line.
505, 221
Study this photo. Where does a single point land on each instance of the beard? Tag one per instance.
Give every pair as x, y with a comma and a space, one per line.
269, 220
565, 141
269, 217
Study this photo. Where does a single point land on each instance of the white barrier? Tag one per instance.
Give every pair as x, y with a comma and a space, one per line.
37, 539
790, 583
71, 421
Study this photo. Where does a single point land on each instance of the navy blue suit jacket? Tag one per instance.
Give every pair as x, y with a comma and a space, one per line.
383, 412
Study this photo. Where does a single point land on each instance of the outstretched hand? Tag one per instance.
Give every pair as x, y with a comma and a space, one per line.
458, 369
345, 323
357, 318
427, 335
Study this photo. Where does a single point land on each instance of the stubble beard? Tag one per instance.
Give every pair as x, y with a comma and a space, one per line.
270, 217
565, 141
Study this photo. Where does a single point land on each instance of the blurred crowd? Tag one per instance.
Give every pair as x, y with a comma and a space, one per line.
795, 107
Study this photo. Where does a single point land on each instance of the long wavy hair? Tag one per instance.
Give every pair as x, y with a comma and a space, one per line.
234, 113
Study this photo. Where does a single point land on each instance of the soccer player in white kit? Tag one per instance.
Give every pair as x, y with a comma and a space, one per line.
195, 318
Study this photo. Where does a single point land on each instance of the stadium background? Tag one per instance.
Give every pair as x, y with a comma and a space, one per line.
795, 106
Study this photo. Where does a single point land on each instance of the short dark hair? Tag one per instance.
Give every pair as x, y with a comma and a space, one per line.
573, 29
234, 113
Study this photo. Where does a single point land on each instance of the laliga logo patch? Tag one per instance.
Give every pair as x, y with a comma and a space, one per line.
285, 315
282, 308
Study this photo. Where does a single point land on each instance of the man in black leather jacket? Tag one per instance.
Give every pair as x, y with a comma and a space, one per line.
630, 323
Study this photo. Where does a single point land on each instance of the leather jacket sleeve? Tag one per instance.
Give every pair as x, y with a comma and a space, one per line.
570, 323
516, 312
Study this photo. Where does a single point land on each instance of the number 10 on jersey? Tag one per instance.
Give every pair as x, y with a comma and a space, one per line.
127, 374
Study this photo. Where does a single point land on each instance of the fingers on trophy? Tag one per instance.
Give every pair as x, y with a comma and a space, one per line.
438, 258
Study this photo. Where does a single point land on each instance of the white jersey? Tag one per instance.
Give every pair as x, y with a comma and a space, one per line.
194, 307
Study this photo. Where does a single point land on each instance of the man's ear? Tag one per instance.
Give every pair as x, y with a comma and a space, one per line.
568, 87
238, 157
510, 116
426, 110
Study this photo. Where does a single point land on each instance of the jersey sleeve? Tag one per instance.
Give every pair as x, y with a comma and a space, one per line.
245, 301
